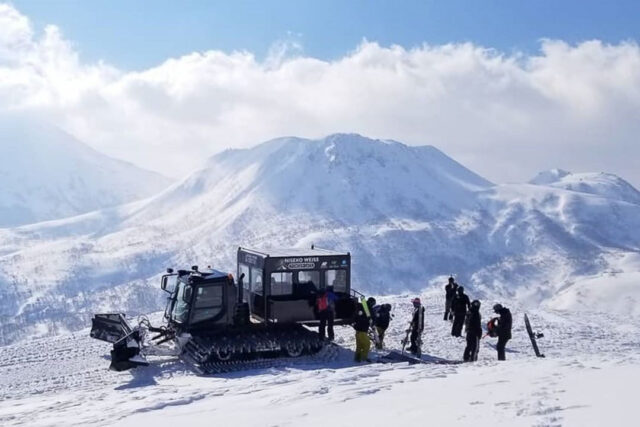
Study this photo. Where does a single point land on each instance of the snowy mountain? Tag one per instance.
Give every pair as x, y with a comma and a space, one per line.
409, 215
47, 174
602, 184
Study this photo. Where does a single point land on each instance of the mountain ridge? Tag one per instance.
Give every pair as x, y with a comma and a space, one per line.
409, 216
52, 175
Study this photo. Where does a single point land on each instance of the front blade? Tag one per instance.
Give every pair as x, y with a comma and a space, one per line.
110, 327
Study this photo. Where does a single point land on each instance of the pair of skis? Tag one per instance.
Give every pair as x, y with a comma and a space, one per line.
373, 332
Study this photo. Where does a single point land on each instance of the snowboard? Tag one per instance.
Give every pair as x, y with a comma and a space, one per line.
405, 341
395, 356
532, 336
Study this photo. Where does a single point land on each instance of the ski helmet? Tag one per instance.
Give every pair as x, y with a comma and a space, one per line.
475, 304
416, 301
497, 307
371, 301
451, 280
460, 289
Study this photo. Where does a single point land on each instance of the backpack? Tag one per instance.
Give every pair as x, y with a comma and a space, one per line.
323, 302
492, 327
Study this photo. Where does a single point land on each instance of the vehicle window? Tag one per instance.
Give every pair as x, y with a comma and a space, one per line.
210, 296
281, 283
243, 268
309, 277
181, 308
308, 283
337, 279
209, 303
256, 280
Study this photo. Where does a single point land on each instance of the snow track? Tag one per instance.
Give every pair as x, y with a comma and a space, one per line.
65, 381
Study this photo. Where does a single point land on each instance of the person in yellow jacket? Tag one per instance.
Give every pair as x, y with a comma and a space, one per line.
362, 324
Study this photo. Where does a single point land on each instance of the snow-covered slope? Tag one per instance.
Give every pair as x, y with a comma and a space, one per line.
601, 184
409, 216
585, 380
47, 174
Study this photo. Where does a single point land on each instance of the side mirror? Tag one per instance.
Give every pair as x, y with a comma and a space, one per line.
168, 282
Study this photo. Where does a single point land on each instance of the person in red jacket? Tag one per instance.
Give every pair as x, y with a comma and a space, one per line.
325, 305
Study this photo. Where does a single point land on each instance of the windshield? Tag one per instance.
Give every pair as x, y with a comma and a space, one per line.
180, 308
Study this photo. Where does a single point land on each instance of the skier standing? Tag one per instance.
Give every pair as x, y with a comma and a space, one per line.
361, 325
381, 318
459, 306
504, 329
417, 326
474, 333
450, 293
325, 304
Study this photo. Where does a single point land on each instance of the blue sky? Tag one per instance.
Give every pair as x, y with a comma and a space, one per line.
140, 34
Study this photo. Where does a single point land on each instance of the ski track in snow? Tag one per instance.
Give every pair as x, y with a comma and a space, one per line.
65, 381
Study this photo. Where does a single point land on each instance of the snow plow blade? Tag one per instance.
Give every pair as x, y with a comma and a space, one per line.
114, 328
110, 327
126, 353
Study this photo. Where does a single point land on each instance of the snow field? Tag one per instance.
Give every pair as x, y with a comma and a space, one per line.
585, 380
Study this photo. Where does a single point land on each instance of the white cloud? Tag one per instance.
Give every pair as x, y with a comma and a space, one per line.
504, 116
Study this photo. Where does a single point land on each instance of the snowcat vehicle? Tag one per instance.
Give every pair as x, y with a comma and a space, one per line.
216, 324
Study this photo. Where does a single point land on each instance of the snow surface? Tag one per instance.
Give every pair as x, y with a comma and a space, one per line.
410, 216
47, 174
588, 378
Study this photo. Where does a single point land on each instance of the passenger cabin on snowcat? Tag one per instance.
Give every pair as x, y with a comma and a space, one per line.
281, 286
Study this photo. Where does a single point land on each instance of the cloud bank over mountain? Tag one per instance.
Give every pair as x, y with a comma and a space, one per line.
505, 115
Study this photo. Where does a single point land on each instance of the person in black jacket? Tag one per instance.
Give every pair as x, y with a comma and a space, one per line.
450, 292
504, 329
381, 318
459, 305
361, 325
474, 333
417, 326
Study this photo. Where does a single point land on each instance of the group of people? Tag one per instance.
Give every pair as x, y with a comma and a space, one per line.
370, 318
460, 311
373, 319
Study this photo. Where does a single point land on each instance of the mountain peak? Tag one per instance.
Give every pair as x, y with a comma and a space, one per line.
48, 174
342, 176
597, 183
549, 176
